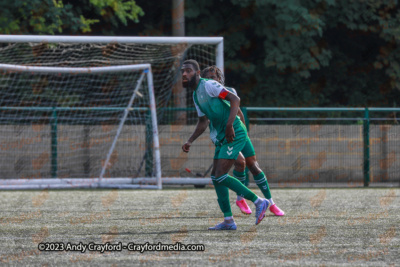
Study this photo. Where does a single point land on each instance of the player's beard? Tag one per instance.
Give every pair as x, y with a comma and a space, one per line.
189, 84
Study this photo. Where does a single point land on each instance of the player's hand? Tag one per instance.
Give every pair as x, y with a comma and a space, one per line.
229, 134
186, 147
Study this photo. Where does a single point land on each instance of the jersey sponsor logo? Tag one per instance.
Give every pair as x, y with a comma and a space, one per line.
229, 152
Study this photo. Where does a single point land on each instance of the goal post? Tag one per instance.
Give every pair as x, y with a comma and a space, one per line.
74, 96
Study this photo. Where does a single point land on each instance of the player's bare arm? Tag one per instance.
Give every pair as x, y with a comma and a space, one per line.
241, 116
235, 102
201, 126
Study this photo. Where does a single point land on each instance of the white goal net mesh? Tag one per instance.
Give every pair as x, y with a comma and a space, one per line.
62, 125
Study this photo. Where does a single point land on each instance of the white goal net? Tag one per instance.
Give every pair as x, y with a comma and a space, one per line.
76, 134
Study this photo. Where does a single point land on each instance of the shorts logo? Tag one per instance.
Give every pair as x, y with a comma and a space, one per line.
230, 150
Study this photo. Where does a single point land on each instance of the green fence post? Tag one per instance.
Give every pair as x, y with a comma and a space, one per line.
366, 147
246, 118
54, 143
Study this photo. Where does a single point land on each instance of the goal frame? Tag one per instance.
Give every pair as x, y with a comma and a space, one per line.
219, 60
100, 182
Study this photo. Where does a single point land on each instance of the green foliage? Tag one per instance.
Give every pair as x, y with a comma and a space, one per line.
305, 52
87, 23
277, 53
122, 9
32, 16
58, 16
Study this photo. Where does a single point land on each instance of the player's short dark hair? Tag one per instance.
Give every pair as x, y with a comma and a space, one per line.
217, 71
193, 63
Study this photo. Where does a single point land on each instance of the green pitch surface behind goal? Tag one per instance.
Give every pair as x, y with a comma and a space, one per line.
108, 228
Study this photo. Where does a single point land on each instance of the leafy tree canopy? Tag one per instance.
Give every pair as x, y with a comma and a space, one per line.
277, 53
306, 52
64, 16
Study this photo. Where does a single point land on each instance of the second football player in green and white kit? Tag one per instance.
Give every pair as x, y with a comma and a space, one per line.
213, 72
231, 138
239, 165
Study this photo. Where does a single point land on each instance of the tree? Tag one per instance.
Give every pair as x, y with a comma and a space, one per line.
63, 16
307, 52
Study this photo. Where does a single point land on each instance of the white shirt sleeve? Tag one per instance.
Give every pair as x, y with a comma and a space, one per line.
199, 112
214, 89
232, 90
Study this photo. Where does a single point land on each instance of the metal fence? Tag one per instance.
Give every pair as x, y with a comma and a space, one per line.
295, 147
338, 146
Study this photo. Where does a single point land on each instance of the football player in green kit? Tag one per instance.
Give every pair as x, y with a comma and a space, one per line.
214, 73
215, 103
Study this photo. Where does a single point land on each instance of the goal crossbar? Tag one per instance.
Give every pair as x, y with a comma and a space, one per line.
109, 39
35, 69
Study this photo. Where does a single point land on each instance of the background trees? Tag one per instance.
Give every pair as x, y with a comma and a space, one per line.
306, 53
277, 53
66, 16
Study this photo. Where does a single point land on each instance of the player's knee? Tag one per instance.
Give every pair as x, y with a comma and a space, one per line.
251, 162
240, 165
213, 172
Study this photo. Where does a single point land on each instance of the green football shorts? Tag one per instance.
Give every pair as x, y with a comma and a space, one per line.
231, 150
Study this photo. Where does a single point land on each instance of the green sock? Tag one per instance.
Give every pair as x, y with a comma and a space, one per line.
262, 183
236, 186
223, 198
241, 176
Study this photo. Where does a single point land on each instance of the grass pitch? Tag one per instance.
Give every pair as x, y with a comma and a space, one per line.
328, 227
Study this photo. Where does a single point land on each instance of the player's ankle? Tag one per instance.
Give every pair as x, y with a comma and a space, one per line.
257, 201
229, 219
271, 201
